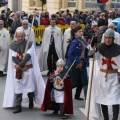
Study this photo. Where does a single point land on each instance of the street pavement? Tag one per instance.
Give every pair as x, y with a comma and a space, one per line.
36, 113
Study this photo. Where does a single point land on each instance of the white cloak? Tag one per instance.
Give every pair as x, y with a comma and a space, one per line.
35, 84
46, 43
26, 31
116, 40
4, 43
103, 92
66, 36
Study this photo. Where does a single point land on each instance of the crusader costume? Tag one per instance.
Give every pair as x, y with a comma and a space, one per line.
106, 86
23, 83
51, 49
58, 96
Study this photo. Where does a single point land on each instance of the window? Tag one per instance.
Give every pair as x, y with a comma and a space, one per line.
71, 3
91, 4
115, 3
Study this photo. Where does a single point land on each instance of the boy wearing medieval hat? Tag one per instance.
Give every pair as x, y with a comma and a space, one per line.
56, 93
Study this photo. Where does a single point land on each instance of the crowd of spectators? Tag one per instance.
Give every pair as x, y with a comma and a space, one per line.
90, 18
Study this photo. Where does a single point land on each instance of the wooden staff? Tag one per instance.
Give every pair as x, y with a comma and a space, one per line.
89, 97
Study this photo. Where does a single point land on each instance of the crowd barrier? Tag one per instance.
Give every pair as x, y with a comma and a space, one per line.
39, 31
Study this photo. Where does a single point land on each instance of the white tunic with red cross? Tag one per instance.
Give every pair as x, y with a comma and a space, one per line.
107, 90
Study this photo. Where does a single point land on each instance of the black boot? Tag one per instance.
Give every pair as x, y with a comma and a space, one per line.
31, 96
105, 112
55, 108
17, 109
115, 112
1, 73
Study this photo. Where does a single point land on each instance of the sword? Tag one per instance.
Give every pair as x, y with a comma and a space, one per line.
69, 69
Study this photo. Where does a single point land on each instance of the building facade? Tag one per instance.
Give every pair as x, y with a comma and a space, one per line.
53, 6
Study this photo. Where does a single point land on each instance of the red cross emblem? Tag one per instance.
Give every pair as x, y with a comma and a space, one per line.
19, 56
109, 62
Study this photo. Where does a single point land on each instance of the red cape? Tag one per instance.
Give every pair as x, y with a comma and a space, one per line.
68, 103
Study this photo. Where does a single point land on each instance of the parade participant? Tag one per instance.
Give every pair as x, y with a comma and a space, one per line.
58, 93
15, 24
29, 32
66, 37
4, 47
117, 35
24, 78
51, 49
77, 50
105, 85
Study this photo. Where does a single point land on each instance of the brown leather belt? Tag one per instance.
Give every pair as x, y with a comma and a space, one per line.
29, 66
59, 89
109, 71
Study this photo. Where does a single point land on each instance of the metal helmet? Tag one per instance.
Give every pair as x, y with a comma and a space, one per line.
60, 62
109, 32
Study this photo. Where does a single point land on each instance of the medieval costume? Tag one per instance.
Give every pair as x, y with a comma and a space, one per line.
27, 32
4, 49
51, 49
116, 38
58, 96
105, 85
23, 84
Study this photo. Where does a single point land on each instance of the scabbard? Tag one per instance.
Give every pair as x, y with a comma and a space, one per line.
19, 74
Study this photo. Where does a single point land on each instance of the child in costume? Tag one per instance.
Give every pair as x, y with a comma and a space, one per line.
58, 93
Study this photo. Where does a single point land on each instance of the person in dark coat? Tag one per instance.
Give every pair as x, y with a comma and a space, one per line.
78, 52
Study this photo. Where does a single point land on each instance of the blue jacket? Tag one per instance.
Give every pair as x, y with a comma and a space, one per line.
74, 51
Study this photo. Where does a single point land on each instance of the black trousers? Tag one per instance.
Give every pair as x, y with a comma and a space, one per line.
115, 109
52, 58
57, 107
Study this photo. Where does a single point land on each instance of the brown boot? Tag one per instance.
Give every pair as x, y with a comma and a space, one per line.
17, 109
63, 116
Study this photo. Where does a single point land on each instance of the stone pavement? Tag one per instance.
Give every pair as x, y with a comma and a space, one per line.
36, 113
